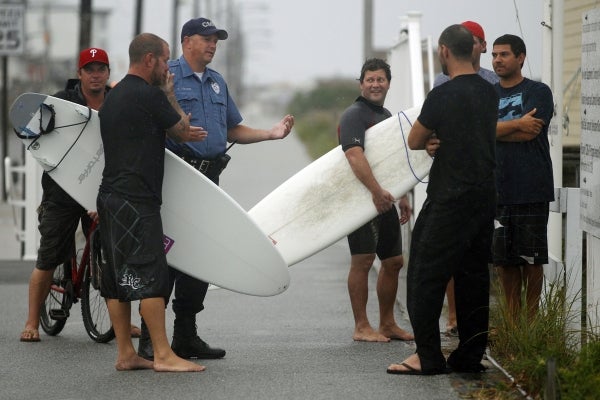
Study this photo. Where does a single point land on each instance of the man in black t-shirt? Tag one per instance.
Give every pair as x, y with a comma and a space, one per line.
133, 123
453, 232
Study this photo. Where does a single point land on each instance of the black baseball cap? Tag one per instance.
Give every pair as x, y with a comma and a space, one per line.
202, 26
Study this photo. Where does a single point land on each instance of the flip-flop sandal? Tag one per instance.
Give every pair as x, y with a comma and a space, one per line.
400, 339
408, 371
30, 335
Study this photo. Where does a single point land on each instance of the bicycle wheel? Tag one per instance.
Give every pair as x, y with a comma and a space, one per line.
54, 301
93, 306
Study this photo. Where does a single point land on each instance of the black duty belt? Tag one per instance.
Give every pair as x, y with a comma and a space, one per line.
212, 168
200, 164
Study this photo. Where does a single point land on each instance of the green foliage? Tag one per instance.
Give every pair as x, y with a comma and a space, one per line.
318, 132
581, 380
523, 344
317, 113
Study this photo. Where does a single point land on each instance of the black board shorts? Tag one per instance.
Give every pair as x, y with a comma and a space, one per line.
57, 225
381, 236
132, 243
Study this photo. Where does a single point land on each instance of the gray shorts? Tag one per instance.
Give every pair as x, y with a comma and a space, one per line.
132, 243
520, 236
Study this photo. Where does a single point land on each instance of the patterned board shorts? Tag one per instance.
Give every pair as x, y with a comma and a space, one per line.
520, 236
132, 243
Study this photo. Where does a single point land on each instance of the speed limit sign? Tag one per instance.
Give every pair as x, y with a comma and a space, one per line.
12, 32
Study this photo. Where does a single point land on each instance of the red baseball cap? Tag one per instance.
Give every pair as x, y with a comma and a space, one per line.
93, 54
474, 28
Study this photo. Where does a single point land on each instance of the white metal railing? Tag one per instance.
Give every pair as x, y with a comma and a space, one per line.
11, 195
26, 203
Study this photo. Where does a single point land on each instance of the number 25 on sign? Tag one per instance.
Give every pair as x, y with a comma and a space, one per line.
11, 28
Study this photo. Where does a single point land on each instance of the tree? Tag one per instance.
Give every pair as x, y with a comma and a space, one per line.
317, 113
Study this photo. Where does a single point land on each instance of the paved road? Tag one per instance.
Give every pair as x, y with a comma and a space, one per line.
296, 345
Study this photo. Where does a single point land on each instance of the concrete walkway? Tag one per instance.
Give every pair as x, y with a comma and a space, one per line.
297, 345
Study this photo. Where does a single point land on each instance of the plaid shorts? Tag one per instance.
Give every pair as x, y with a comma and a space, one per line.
521, 235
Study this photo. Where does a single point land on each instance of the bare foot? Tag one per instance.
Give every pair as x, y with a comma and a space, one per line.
132, 363
451, 331
396, 333
30, 335
368, 335
412, 363
173, 363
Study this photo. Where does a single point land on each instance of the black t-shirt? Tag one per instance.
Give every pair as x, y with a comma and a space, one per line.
356, 119
463, 112
133, 120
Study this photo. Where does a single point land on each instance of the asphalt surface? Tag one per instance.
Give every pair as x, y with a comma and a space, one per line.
297, 345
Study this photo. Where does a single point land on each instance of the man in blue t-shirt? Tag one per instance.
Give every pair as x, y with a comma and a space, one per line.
203, 93
524, 177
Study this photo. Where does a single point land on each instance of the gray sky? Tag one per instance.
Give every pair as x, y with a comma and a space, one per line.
297, 41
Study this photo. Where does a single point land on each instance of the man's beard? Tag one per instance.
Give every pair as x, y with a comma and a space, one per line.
157, 79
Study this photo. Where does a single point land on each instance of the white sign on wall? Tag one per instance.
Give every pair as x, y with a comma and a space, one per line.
12, 32
590, 123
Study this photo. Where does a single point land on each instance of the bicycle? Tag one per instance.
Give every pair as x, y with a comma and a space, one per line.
79, 280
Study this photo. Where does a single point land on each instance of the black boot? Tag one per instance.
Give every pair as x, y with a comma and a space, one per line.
187, 344
145, 349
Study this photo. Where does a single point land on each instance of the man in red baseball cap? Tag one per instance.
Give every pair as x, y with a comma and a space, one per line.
476, 30
93, 70
479, 46
59, 214
93, 54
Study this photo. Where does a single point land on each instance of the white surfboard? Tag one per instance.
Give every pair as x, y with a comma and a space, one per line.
325, 201
208, 235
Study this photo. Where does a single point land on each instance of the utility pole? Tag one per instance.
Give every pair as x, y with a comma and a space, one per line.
139, 7
175, 30
85, 23
368, 29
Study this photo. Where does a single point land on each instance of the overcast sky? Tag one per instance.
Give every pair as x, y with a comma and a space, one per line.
297, 41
